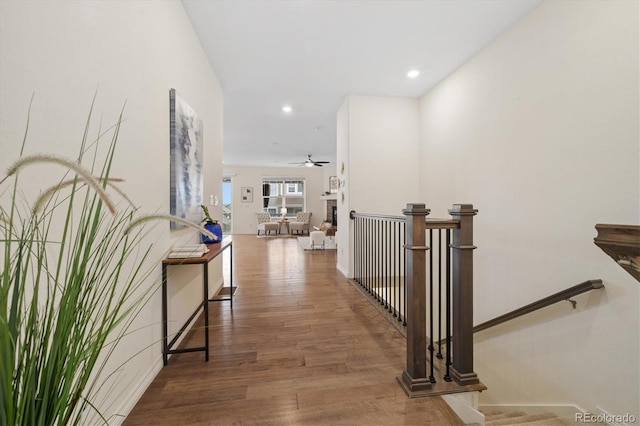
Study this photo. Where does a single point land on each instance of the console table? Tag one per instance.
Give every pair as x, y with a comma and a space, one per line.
214, 251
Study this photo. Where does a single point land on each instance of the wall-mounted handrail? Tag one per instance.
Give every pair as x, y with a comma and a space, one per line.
542, 303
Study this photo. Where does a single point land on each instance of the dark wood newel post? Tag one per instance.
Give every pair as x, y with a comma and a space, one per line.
414, 377
462, 247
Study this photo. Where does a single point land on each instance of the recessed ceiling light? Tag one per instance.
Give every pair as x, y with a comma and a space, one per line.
413, 73
287, 109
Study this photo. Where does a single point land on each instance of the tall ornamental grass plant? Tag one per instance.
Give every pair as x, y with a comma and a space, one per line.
73, 277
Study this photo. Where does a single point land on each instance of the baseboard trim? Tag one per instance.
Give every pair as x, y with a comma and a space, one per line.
215, 288
465, 405
561, 410
342, 270
134, 396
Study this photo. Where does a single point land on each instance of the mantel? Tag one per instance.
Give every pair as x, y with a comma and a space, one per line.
329, 197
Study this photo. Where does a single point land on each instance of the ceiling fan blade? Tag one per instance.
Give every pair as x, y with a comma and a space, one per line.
309, 162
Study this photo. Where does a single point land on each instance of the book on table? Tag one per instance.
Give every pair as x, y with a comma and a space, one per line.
188, 251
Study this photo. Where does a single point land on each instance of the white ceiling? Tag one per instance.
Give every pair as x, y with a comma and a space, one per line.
312, 54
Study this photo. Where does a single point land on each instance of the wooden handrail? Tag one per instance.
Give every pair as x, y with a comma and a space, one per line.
353, 214
622, 243
434, 223
431, 223
550, 300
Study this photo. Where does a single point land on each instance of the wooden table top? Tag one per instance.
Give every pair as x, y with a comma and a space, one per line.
214, 250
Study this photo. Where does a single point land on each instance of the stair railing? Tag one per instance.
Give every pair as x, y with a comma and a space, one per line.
390, 264
564, 295
379, 261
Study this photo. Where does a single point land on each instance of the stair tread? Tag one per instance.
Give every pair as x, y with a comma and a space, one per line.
490, 413
497, 415
571, 421
523, 418
499, 418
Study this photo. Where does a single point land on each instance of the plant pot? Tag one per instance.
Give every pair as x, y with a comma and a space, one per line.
215, 229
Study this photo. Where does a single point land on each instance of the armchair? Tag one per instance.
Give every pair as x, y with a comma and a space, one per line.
265, 223
301, 223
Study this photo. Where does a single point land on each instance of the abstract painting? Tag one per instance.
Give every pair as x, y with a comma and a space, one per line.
186, 161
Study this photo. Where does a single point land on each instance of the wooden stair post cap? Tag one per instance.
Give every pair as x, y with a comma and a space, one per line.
416, 209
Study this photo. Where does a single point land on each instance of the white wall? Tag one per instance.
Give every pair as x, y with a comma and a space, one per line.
343, 238
378, 143
244, 214
131, 52
540, 132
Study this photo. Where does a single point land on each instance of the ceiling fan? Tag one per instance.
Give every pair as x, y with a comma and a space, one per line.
310, 163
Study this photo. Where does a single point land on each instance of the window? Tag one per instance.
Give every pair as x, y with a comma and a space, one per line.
226, 204
285, 192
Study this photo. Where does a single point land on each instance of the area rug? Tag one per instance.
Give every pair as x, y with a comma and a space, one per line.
329, 243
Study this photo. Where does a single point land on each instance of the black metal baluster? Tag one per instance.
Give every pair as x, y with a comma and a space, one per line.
396, 242
381, 261
356, 253
431, 348
404, 276
401, 300
447, 377
374, 273
360, 250
385, 248
366, 253
390, 246
370, 256
396, 272
373, 260
365, 237
439, 294
394, 267
378, 261
385, 245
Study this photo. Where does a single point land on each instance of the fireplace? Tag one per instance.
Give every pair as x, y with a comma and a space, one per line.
332, 214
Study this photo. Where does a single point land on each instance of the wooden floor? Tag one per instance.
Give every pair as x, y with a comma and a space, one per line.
301, 347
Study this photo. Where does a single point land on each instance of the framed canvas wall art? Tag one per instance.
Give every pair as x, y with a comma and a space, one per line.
186, 159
